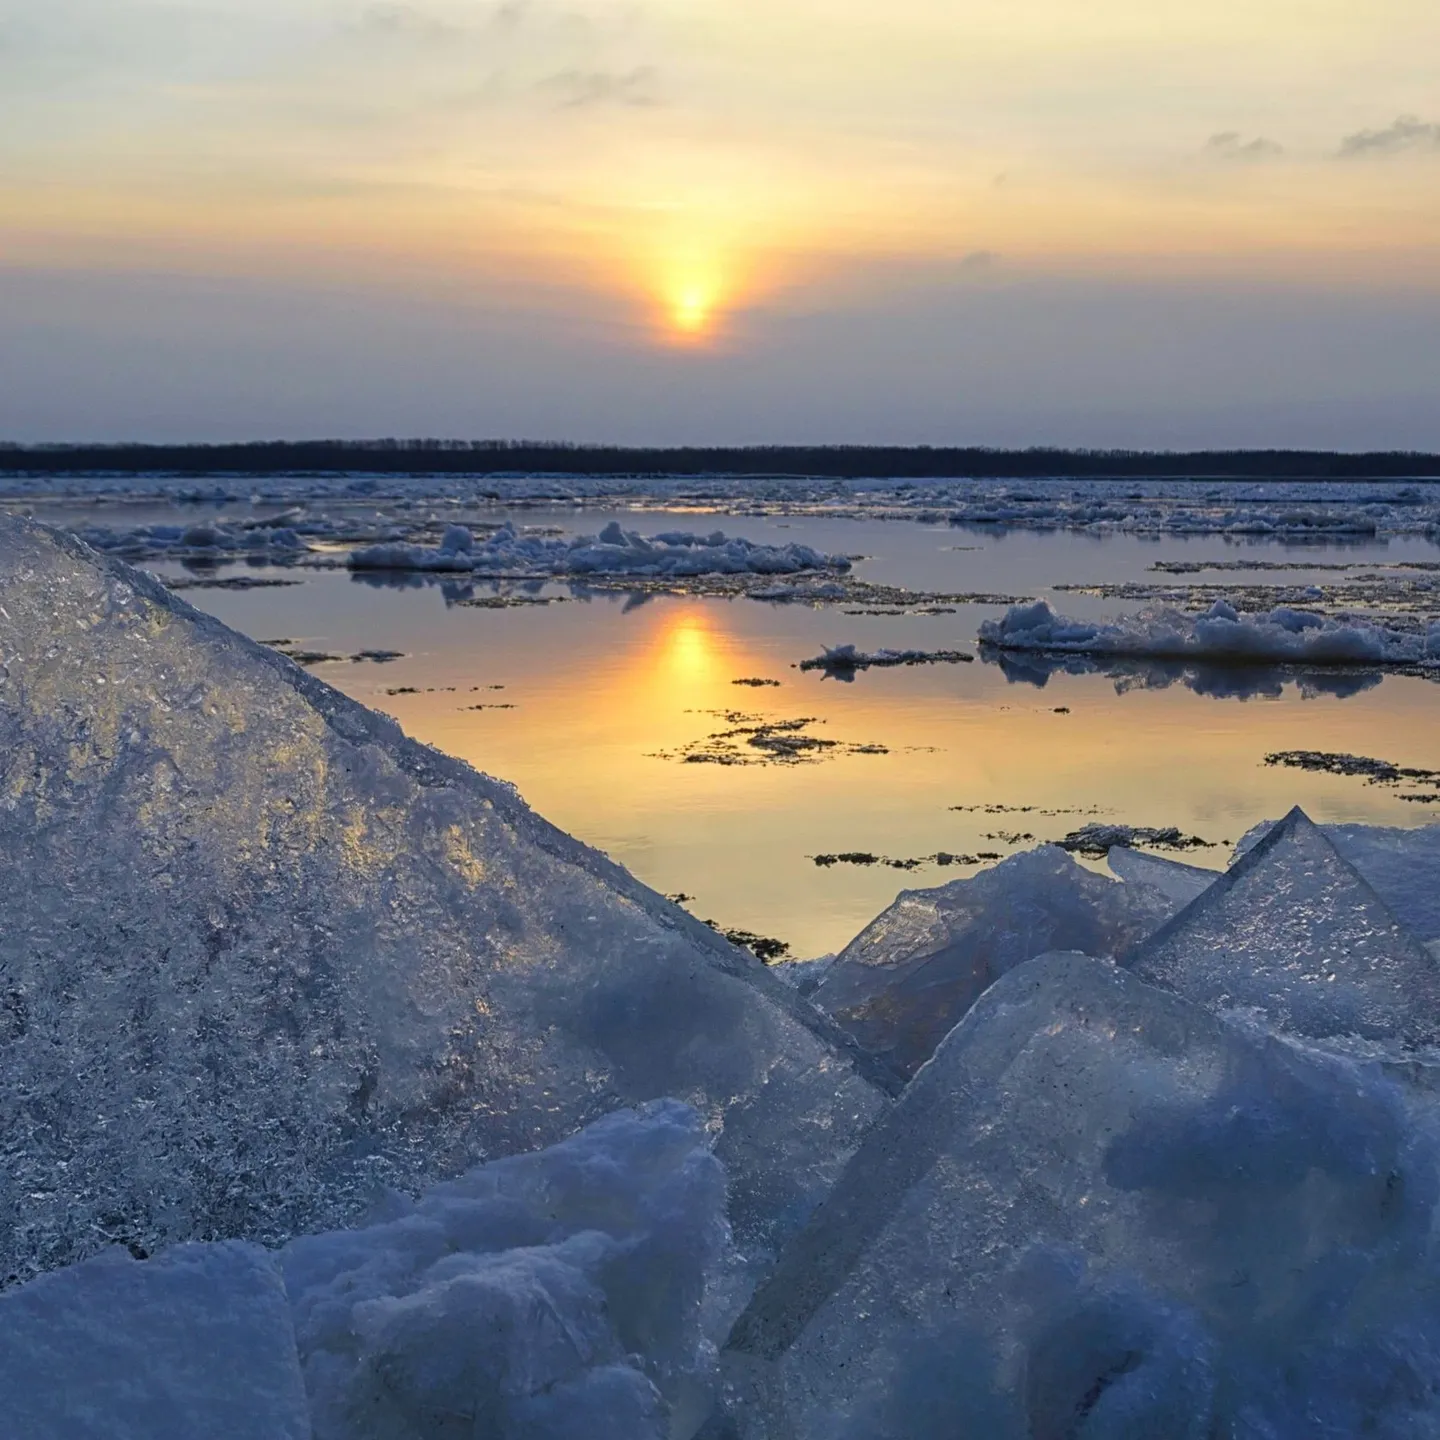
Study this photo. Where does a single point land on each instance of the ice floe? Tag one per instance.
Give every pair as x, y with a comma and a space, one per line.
614, 551
1220, 636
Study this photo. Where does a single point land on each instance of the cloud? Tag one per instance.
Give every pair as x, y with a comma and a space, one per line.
584, 89
979, 260
1407, 133
384, 18
1229, 145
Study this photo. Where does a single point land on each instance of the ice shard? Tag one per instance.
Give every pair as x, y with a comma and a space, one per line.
262, 957
197, 1341
913, 972
1102, 1212
1401, 866
1182, 883
1294, 935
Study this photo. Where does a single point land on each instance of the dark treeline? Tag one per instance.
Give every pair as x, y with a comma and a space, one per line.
489, 457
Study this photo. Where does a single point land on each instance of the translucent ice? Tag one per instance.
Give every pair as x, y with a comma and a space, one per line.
1102, 1212
196, 1342
262, 957
1182, 883
564, 1292
910, 975
1401, 866
1292, 933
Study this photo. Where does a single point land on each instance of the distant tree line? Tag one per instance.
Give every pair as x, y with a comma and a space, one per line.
898, 462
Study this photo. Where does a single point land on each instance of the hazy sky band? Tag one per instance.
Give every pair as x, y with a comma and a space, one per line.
702, 175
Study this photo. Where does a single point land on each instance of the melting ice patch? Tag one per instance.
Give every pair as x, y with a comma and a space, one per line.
1220, 636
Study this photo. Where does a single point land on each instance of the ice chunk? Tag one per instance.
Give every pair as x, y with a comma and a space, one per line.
565, 1288
1102, 1212
196, 1342
1182, 883
1294, 934
1401, 866
1221, 635
910, 975
261, 956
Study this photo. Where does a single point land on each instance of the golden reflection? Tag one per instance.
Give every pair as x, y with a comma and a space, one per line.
686, 654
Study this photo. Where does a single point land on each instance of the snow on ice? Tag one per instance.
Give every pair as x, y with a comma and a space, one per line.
1220, 636
615, 551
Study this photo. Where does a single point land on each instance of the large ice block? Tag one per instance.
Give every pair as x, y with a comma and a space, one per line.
196, 1342
1182, 883
261, 956
577, 1290
1401, 866
1102, 1212
1293, 934
911, 974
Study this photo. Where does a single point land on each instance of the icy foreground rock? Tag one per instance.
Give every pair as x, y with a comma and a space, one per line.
1101, 1212
261, 956
1293, 934
913, 972
196, 1342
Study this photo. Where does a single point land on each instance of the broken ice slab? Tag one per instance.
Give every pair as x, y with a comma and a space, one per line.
1182, 883
1101, 1212
913, 972
261, 956
1401, 866
195, 1342
564, 1293
1293, 934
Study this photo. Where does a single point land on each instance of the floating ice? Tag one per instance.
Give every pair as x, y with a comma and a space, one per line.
911, 974
262, 956
569, 1292
614, 551
1101, 1212
1293, 933
1221, 635
195, 1342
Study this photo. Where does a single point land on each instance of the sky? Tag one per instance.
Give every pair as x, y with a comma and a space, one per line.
1124, 222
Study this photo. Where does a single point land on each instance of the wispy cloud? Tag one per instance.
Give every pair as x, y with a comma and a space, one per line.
585, 89
1408, 133
1231, 145
979, 260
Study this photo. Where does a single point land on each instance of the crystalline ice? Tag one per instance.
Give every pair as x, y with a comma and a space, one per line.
568, 1288
1102, 1212
1401, 866
261, 956
910, 975
1182, 883
1295, 935
196, 1342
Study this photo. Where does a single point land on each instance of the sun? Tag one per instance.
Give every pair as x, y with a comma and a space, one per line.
691, 311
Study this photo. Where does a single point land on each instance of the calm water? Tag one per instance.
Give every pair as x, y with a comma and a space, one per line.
606, 692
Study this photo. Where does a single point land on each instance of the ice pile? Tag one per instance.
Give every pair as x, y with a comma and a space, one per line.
615, 551
1101, 1212
1220, 636
573, 1292
910, 975
276, 539
261, 957
845, 660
